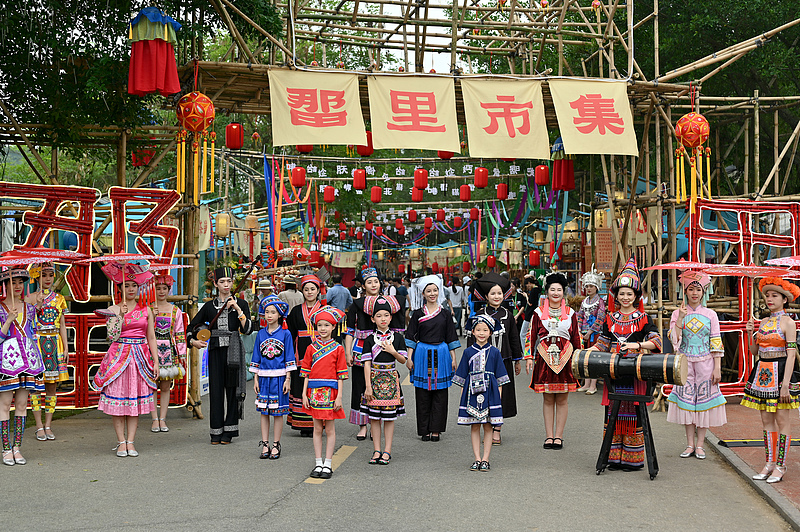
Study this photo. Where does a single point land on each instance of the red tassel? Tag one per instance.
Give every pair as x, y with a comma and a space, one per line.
283, 325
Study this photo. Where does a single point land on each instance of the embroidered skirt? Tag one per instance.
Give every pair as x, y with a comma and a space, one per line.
271, 401
433, 366
53, 357
762, 391
698, 402
33, 383
545, 380
388, 403
321, 401
127, 395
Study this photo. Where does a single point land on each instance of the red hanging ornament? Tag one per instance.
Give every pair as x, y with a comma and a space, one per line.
298, 177
435, 267
563, 174
445, 155
412, 215
234, 136
368, 226
379, 231
428, 222
325, 232
491, 261
401, 268
416, 195
464, 193
427, 230
305, 148
502, 191
465, 267
474, 214
398, 223
342, 226
360, 235
401, 231
440, 215
481, 177
375, 194
152, 66
351, 232
315, 259
329, 195
366, 151
342, 235
542, 175
457, 222
534, 258
359, 179
421, 178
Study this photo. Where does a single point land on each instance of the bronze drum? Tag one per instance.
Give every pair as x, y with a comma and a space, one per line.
670, 368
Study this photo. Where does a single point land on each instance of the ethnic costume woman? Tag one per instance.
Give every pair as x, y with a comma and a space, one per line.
489, 293
273, 361
126, 378
359, 326
302, 328
226, 360
591, 317
629, 331
694, 331
481, 373
383, 397
432, 342
51, 333
170, 329
552, 338
772, 387
21, 364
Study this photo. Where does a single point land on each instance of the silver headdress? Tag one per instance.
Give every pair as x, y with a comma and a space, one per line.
592, 277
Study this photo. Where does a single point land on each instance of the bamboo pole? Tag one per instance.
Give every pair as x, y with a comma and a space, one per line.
756, 142
776, 148
747, 156
776, 167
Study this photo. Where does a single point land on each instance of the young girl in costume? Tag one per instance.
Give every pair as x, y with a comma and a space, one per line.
51, 333
21, 364
170, 329
552, 339
591, 316
273, 361
481, 373
383, 398
772, 387
324, 366
694, 331
126, 378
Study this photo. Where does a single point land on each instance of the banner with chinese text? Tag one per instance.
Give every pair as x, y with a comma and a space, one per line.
315, 108
413, 112
594, 117
505, 119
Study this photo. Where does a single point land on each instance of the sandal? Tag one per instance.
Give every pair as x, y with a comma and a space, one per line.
49, 436
134, 453
773, 478
155, 426
548, 445
484, 466
21, 460
163, 421
6, 460
265, 450
326, 472
558, 445
316, 472
499, 440
375, 459
120, 453
689, 451
275, 446
43, 437
385, 461
476, 465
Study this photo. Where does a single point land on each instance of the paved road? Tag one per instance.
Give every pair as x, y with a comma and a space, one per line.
180, 482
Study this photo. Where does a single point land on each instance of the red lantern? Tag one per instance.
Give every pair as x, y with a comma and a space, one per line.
428, 222
412, 215
435, 267
474, 214
465, 266
440, 214
401, 268
398, 223
401, 231
421, 178
464, 193
379, 231
481, 177
368, 225
305, 148
427, 230
542, 175
502, 191
195, 112
342, 226
360, 235
351, 232
329, 195
359, 179
563, 174
315, 259
366, 151
445, 154
298, 177
375, 194
234, 136
342, 235
416, 195
337, 216
457, 222
534, 257
325, 232
491, 261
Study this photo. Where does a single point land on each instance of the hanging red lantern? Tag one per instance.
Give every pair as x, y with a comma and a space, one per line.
401, 268
416, 195
369, 226
491, 261
315, 258
435, 267
375, 194
351, 232
298, 177
412, 215
366, 151
360, 235
337, 216
457, 222
542, 175
481, 177
445, 155
534, 258
342, 235
427, 230
359, 179
563, 174
305, 148
342, 226
440, 214
379, 231
474, 214
325, 232
502, 191
428, 222
464, 193
398, 223
329, 195
465, 266
401, 231
234, 136
421, 178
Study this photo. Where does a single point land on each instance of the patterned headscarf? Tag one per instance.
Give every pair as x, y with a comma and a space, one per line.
328, 313
273, 301
372, 304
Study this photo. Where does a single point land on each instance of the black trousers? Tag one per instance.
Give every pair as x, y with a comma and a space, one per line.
431, 410
222, 382
509, 397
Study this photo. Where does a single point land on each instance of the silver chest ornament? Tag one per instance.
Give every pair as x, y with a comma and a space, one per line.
553, 351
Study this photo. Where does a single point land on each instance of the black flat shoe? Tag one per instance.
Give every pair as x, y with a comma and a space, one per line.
326, 472
558, 445
315, 473
427, 437
548, 445
275, 446
435, 438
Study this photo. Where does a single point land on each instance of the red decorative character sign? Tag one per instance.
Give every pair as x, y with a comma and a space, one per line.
415, 111
316, 107
598, 113
505, 109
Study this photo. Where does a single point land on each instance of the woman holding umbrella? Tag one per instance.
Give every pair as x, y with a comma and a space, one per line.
772, 387
126, 378
21, 364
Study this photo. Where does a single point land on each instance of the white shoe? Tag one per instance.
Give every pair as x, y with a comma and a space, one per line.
6, 459
773, 479
132, 452
700, 453
764, 472
121, 454
689, 451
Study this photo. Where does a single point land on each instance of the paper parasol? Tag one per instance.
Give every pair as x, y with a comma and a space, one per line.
123, 258
160, 267
48, 254
794, 260
20, 259
749, 270
681, 265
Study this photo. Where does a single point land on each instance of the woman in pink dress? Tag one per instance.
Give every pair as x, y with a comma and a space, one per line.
126, 378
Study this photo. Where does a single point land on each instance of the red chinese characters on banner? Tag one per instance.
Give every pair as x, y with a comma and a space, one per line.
596, 112
317, 107
506, 109
414, 111
51, 217
164, 200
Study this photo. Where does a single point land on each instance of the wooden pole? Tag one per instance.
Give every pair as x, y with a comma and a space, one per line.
747, 156
122, 151
776, 149
756, 142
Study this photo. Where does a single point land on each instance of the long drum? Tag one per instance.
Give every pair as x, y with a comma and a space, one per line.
668, 368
